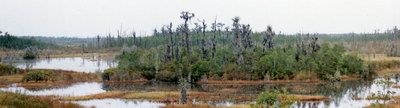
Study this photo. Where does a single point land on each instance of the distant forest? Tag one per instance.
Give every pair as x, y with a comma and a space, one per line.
13, 42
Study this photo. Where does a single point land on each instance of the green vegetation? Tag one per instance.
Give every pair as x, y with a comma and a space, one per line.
12, 42
8, 70
13, 100
30, 53
385, 95
278, 63
268, 99
37, 76
238, 54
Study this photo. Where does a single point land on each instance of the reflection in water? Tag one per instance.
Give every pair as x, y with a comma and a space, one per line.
118, 103
341, 93
78, 64
78, 89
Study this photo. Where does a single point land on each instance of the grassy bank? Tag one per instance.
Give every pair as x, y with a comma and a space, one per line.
170, 97
13, 100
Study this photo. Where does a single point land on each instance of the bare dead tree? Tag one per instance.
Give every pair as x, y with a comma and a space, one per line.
167, 43
314, 46
268, 40
98, 41
246, 36
227, 35
236, 43
197, 29
214, 30
187, 16
203, 49
171, 43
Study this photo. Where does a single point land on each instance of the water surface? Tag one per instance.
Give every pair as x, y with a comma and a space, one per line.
341, 93
77, 89
79, 64
118, 103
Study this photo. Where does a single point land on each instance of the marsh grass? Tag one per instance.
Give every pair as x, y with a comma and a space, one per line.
11, 78
155, 96
111, 94
247, 82
170, 97
13, 100
204, 106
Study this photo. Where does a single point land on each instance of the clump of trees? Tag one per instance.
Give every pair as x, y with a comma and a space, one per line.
268, 100
8, 70
37, 76
195, 54
30, 53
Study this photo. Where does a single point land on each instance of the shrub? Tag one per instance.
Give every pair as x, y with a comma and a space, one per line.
30, 53
148, 74
21, 101
278, 64
37, 76
202, 67
267, 99
167, 76
14, 100
108, 73
352, 65
305, 76
328, 62
8, 70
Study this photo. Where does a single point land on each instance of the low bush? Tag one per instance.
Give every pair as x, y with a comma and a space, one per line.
107, 74
8, 70
37, 76
268, 100
13, 100
21, 101
30, 53
167, 76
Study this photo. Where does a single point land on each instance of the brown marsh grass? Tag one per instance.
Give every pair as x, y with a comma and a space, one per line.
168, 97
204, 106
257, 81
13, 100
111, 94
11, 78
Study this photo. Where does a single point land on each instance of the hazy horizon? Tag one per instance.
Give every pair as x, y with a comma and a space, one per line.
88, 18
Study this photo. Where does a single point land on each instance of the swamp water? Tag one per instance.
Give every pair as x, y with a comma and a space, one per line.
340, 93
78, 64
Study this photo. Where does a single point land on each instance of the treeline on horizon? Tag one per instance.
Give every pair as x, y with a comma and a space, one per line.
13, 42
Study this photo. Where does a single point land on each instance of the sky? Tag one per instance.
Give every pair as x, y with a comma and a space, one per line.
88, 18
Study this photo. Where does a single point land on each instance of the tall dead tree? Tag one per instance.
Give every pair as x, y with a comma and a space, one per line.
167, 43
98, 41
171, 43
134, 38
214, 30
197, 29
268, 39
187, 16
314, 47
203, 42
220, 26
227, 35
246, 36
236, 43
